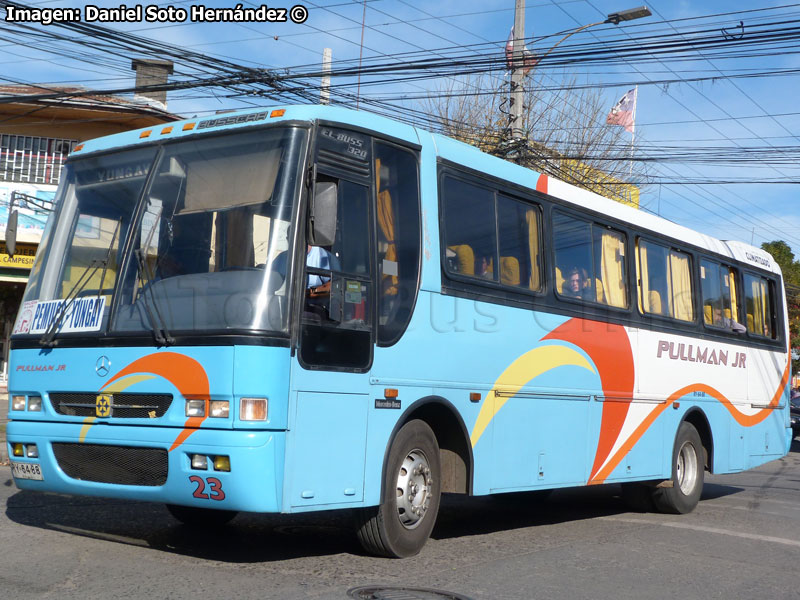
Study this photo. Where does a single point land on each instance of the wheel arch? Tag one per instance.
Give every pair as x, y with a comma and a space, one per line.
455, 450
698, 419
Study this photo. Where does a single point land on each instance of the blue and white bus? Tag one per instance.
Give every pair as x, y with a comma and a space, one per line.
307, 308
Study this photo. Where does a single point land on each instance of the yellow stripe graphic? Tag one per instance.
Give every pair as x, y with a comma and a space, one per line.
520, 372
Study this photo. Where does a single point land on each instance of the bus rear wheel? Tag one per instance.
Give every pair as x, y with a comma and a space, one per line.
687, 473
200, 517
402, 523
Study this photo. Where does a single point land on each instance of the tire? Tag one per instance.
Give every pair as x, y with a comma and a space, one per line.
688, 470
411, 490
201, 517
638, 496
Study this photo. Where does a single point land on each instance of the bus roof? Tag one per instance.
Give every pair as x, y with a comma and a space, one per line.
445, 148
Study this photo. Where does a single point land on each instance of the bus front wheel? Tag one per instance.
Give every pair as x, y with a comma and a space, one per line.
402, 523
687, 473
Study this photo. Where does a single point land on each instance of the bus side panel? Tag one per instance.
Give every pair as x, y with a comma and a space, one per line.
326, 441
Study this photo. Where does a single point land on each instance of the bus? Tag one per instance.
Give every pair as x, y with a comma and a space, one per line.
308, 308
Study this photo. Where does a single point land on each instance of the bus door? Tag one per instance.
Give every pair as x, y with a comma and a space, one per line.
330, 380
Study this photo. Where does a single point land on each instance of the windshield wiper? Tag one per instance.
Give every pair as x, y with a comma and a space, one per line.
157, 323
48, 337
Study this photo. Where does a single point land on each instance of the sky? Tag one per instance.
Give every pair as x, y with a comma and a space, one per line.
727, 114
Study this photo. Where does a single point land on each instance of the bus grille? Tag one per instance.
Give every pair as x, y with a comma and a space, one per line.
123, 406
122, 465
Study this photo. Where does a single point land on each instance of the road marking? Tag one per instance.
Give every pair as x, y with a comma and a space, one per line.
692, 527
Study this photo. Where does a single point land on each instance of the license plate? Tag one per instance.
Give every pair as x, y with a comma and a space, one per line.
26, 471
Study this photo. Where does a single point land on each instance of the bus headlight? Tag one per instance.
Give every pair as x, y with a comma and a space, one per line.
195, 408
253, 409
35, 403
18, 403
220, 408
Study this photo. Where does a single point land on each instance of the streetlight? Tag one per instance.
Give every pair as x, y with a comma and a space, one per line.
519, 70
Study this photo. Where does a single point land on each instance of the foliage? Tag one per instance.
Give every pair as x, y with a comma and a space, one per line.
567, 136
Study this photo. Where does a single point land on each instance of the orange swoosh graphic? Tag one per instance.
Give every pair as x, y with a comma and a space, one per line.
740, 417
184, 373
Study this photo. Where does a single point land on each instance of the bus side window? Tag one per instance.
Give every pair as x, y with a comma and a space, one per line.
469, 231
591, 258
759, 306
518, 239
665, 281
718, 289
398, 238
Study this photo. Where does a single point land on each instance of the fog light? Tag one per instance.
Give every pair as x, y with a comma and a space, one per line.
17, 450
253, 409
32, 451
35, 403
200, 462
195, 408
222, 463
18, 403
220, 408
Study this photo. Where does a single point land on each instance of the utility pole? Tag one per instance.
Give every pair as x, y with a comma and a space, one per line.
518, 72
325, 88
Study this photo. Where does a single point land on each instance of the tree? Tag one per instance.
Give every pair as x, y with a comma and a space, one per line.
566, 132
784, 256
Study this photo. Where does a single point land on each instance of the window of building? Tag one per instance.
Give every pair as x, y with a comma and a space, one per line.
590, 261
30, 159
665, 281
720, 300
759, 298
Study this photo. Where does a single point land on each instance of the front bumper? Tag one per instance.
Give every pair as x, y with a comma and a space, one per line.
254, 482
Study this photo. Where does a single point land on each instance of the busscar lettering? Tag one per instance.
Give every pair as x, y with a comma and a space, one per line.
233, 120
699, 354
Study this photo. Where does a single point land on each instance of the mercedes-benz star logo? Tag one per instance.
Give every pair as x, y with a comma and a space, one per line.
103, 366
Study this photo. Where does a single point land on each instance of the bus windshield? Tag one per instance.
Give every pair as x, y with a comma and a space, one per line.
192, 237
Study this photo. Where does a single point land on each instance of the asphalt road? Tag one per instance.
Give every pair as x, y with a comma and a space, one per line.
743, 541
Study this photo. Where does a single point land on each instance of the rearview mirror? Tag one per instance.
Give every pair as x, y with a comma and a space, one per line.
11, 233
322, 218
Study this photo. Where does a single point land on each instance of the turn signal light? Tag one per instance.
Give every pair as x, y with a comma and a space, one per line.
17, 450
18, 403
253, 409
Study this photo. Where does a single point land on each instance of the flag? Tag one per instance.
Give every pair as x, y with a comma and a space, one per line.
624, 111
528, 59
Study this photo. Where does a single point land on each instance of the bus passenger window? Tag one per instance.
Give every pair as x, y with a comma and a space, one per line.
759, 306
665, 281
518, 239
471, 246
591, 259
718, 288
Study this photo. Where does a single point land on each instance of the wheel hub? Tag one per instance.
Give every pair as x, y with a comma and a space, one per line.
414, 485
